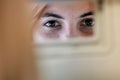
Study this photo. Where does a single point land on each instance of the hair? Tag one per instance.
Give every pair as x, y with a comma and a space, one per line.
37, 11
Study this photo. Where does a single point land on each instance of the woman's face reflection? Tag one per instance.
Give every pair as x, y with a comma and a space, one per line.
63, 21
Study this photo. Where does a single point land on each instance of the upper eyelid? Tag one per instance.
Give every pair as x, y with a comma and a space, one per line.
49, 19
53, 18
88, 17
45, 21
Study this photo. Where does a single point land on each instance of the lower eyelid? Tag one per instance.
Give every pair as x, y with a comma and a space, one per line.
86, 30
50, 30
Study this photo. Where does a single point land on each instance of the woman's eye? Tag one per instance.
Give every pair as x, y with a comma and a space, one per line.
87, 22
52, 24
86, 25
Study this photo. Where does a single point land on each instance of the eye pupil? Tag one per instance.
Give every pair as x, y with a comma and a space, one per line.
52, 24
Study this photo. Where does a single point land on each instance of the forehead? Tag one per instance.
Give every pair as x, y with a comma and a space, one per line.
71, 7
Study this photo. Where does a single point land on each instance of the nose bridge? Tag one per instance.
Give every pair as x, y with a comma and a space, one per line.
70, 31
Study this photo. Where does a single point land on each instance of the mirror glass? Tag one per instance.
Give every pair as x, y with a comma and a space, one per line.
63, 20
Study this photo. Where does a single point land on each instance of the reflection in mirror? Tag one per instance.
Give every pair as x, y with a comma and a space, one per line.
64, 20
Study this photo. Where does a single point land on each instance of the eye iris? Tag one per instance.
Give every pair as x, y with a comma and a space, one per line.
52, 24
88, 22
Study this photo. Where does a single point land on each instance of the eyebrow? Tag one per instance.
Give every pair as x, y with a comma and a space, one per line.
52, 15
87, 14
60, 17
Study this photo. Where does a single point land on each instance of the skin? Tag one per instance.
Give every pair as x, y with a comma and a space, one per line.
64, 21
